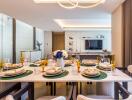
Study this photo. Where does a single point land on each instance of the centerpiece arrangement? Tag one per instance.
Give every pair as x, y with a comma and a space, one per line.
60, 55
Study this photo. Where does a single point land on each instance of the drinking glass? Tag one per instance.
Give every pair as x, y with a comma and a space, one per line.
78, 65
7, 63
1, 65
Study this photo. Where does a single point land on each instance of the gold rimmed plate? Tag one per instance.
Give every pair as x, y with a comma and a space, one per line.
8, 75
90, 76
102, 68
11, 68
56, 74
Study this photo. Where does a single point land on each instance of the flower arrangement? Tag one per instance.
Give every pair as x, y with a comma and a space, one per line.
58, 54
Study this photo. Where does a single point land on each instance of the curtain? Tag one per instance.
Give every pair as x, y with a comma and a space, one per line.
127, 32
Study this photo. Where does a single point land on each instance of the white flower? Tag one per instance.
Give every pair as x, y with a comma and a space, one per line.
64, 53
55, 52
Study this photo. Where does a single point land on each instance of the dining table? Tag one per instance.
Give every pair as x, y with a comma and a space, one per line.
72, 76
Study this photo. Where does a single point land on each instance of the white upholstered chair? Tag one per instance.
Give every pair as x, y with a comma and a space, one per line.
10, 97
121, 90
94, 97
129, 68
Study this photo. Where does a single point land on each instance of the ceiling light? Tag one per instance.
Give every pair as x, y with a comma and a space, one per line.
70, 4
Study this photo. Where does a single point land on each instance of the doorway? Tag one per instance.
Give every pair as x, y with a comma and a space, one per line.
58, 41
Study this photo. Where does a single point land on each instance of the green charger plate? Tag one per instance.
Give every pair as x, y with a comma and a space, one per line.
88, 65
102, 75
28, 72
65, 73
67, 65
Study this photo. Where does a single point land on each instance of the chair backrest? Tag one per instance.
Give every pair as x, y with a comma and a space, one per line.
123, 92
8, 90
21, 91
17, 92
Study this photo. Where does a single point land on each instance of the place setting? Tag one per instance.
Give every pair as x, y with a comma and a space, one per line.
54, 72
104, 66
14, 74
68, 63
89, 62
42, 62
9, 66
93, 73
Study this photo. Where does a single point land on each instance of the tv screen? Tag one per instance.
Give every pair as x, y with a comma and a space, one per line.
93, 44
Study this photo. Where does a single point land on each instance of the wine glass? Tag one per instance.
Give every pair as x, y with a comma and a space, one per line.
7, 63
78, 65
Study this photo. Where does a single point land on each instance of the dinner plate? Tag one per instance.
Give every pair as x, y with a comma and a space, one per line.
34, 65
50, 75
102, 68
10, 68
90, 76
89, 65
67, 65
14, 74
53, 71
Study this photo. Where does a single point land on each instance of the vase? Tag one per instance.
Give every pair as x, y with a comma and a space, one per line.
60, 63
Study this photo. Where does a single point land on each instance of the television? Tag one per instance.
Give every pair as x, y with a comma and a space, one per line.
93, 44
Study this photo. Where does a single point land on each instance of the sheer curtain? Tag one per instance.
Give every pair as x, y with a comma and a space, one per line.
6, 37
127, 28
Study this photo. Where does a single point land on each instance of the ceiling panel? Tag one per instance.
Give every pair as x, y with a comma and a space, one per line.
43, 15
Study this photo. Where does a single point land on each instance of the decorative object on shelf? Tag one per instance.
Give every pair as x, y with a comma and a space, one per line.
38, 44
71, 43
70, 4
60, 55
71, 38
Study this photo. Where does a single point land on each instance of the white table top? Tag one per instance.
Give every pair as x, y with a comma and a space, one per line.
73, 76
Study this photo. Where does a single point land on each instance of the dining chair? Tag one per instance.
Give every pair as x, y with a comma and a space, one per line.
69, 97
92, 97
14, 93
129, 69
129, 72
121, 90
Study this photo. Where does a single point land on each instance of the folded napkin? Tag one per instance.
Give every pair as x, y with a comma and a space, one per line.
91, 71
9, 97
129, 68
53, 70
105, 65
59, 98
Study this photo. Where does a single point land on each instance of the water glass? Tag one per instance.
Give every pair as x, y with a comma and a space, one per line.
7, 63
1, 65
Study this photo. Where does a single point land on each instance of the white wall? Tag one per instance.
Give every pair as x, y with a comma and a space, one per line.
117, 35
40, 38
79, 43
48, 42
24, 38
